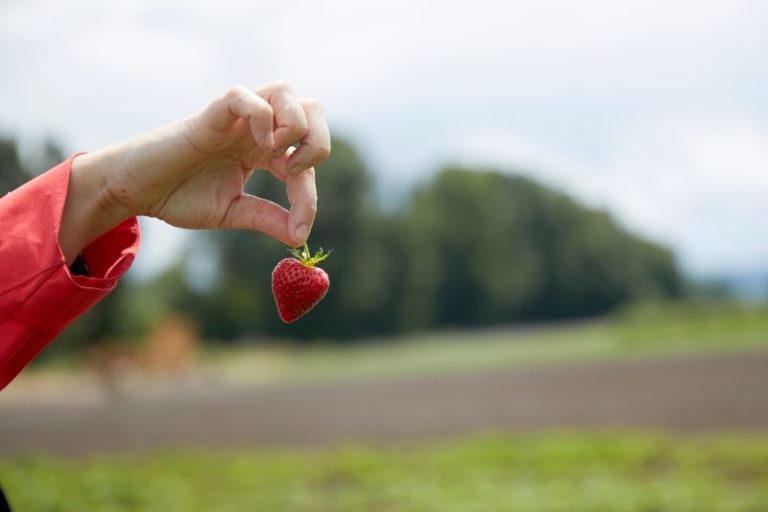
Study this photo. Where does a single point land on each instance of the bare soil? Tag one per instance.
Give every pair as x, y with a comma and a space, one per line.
689, 394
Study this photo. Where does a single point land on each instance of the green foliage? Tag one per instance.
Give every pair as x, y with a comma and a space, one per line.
12, 172
558, 471
361, 268
697, 325
651, 329
489, 248
469, 247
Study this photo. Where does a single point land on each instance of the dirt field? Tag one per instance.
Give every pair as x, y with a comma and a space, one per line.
685, 393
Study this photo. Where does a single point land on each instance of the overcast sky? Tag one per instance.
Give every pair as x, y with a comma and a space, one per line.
655, 110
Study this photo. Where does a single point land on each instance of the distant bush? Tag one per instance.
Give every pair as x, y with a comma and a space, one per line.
469, 247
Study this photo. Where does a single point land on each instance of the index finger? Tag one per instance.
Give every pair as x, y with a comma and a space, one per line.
302, 196
241, 103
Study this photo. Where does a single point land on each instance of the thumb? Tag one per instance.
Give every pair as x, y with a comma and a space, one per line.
258, 214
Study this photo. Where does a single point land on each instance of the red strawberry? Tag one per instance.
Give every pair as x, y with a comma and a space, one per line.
298, 285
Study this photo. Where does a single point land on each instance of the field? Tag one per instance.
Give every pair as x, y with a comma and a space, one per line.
530, 469
649, 330
608, 471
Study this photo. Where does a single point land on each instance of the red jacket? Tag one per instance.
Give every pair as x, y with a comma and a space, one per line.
38, 294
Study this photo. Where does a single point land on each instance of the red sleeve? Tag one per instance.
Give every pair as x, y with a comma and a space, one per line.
38, 294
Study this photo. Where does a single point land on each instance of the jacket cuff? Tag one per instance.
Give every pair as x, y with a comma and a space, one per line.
67, 296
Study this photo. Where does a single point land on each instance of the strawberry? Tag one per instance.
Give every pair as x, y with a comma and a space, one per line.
298, 285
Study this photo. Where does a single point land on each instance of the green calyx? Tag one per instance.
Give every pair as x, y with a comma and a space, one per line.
306, 258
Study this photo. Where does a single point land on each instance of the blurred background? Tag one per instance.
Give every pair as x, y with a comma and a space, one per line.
549, 271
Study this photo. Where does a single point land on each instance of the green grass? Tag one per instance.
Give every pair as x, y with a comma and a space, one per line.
649, 330
611, 471
638, 331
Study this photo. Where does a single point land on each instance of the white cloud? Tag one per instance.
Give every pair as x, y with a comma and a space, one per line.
706, 190
701, 189
647, 102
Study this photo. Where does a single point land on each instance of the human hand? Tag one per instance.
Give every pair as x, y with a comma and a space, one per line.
191, 173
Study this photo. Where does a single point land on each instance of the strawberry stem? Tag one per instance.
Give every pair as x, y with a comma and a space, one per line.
306, 258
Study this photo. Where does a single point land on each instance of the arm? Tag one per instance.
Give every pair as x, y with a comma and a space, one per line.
189, 174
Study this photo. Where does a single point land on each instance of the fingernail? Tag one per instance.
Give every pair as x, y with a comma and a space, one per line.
301, 233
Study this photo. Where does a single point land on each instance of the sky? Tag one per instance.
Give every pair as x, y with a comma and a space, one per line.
656, 111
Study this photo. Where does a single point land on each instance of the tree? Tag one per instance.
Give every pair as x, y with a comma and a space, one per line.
470, 247
487, 247
12, 172
348, 222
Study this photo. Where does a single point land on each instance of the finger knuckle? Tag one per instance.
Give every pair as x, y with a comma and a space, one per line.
299, 129
312, 205
323, 153
236, 91
312, 104
281, 85
262, 109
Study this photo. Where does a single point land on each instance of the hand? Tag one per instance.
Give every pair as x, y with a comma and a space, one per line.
191, 173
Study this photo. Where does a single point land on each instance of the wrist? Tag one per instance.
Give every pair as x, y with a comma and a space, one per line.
90, 209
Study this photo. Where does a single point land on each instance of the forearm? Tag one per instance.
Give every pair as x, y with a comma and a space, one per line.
89, 209
104, 190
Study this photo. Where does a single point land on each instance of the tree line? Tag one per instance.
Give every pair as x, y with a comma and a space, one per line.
468, 247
